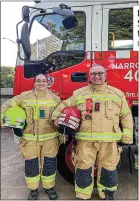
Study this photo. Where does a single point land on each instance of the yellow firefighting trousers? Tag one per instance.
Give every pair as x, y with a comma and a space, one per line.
106, 155
40, 162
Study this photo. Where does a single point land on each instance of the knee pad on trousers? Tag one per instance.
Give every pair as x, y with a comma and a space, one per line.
49, 166
31, 167
108, 178
83, 177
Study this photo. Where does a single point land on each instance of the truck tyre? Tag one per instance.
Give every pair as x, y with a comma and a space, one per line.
64, 162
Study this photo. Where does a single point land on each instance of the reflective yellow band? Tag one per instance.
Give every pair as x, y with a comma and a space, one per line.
35, 117
127, 132
39, 102
40, 137
48, 105
98, 136
102, 188
88, 190
79, 101
125, 111
82, 99
32, 179
48, 178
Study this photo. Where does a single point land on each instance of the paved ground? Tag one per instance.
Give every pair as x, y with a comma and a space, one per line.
13, 184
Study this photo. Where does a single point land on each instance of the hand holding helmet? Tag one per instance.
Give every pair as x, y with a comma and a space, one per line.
69, 121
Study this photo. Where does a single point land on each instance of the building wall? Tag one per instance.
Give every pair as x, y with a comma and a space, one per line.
5, 94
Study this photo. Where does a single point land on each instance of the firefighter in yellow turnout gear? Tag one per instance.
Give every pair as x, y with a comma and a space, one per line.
99, 133
39, 143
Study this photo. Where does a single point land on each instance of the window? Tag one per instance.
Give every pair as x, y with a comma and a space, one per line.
120, 35
49, 35
54, 44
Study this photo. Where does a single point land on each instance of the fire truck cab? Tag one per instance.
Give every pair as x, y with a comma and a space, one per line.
65, 40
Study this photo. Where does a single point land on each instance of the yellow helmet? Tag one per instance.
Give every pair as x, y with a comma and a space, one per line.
15, 117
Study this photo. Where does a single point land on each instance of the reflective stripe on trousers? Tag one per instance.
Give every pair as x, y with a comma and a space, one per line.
98, 136
47, 179
88, 190
41, 137
103, 188
33, 179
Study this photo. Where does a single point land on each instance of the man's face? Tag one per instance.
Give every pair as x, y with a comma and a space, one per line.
41, 83
97, 75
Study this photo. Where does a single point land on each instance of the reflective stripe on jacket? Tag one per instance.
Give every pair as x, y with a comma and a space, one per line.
40, 137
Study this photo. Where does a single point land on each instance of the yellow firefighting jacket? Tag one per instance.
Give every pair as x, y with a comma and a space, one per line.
38, 107
104, 125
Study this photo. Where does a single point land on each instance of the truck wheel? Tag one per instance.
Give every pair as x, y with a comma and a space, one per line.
66, 160
65, 164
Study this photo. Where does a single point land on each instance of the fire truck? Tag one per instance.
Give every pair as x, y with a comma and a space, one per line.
64, 39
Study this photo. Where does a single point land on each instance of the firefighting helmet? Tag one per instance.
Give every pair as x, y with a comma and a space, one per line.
15, 117
69, 120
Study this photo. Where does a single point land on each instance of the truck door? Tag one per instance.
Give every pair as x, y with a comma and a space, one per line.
62, 52
118, 56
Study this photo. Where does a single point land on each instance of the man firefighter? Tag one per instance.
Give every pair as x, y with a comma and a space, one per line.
102, 107
39, 144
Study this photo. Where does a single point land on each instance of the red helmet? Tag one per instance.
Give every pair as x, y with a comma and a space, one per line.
69, 119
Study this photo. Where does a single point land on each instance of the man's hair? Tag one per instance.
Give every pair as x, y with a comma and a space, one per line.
39, 74
98, 65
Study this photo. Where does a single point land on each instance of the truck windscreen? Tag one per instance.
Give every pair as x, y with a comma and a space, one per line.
49, 35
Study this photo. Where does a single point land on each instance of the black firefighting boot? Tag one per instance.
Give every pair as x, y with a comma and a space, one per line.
51, 193
33, 195
109, 195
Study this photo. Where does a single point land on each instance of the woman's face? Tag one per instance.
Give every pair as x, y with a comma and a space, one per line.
40, 83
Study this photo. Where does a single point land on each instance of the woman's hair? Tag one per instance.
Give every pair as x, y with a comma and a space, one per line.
39, 74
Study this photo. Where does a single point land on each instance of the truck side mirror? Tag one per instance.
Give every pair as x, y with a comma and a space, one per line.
25, 13
24, 41
70, 22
